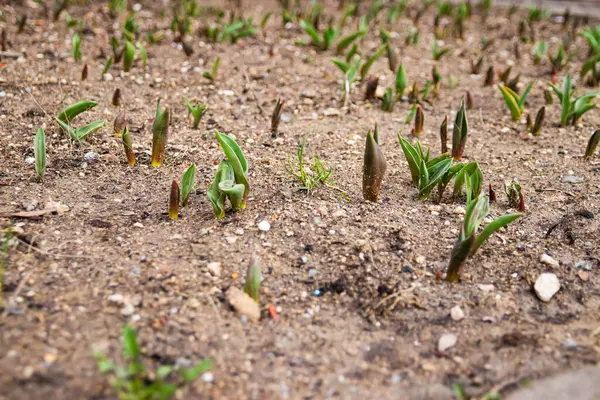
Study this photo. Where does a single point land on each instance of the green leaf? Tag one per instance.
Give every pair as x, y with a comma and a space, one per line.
143, 55
521, 100
592, 144
107, 65
413, 158
253, 279
347, 41
82, 133
163, 371
566, 101
235, 192
187, 183
312, 32
435, 175
190, 374
344, 66
128, 56
511, 101
491, 228
69, 113
131, 349
217, 197
40, 153
215, 67
460, 132
401, 81
104, 364
76, 49
364, 70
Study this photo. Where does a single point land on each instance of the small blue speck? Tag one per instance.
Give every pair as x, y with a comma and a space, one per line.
317, 292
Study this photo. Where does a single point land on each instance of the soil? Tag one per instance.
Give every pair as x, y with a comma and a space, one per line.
360, 309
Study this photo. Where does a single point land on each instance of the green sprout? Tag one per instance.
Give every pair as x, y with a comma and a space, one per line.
401, 82
351, 38
438, 52
572, 108
471, 177
514, 102
515, 197
425, 173
130, 28
107, 65
80, 133
133, 381
310, 177
536, 129
174, 198
468, 240
419, 121
322, 44
264, 21
39, 151
128, 56
591, 67
160, 132
412, 36
592, 144
460, 132
350, 72
143, 55
560, 60
212, 75
388, 101
69, 113
364, 69
187, 184
539, 51
374, 167
76, 47
126, 139
444, 135
489, 77
253, 279
197, 112
231, 179
592, 35
476, 66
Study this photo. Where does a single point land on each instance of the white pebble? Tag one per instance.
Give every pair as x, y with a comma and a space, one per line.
264, 225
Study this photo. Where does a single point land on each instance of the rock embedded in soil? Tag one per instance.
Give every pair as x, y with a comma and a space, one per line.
243, 304
446, 341
546, 259
457, 313
264, 226
546, 286
574, 180
214, 268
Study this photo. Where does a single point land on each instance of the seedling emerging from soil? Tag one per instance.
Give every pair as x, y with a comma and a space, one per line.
388, 101
492, 194
197, 112
371, 88
536, 129
69, 113
489, 77
128, 56
469, 102
116, 99
81, 133
120, 123
572, 108
425, 173
174, 200
560, 60
276, 117
468, 240
348, 40
311, 177
401, 82
444, 135
364, 70
374, 167
515, 197
476, 67
231, 178
471, 177
322, 44
187, 184
539, 51
419, 121
143, 55
132, 381
591, 67
514, 102
548, 97
253, 279
160, 131
126, 138
76, 47
39, 151
107, 65
84, 72
438, 52
412, 37
592, 144
460, 132
212, 75
391, 54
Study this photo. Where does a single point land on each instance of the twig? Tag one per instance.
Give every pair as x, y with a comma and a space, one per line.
249, 86
53, 254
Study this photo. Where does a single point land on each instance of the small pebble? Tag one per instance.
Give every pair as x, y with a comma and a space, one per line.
214, 268
457, 313
446, 341
264, 226
546, 259
546, 286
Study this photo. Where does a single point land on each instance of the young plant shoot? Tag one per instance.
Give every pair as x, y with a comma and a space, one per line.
514, 102
572, 108
39, 151
592, 144
536, 129
253, 279
460, 132
419, 121
374, 167
174, 200
212, 75
231, 179
76, 47
276, 117
468, 240
120, 123
128, 56
126, 139
160, 131
69, 113
197, 112
312, 176
444, 135
133, 381
187, 184
515, 197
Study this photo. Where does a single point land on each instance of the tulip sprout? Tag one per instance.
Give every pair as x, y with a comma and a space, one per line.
39, 151
444, 135
419, 121
374, 167
174, 200
536, 129
212, 75
126, 138
388, 101
69, 113
460, 132
276, 117
120, 123
253, 279
515, 197
572, 109
187, 184
231, 179
401, 82
160, 131
468, 240
515, 103
128, 56
65, 117
438, 52
592, 144
322, 44
76, 47
197, 112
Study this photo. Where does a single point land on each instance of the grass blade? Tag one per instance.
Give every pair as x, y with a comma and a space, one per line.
40, 153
